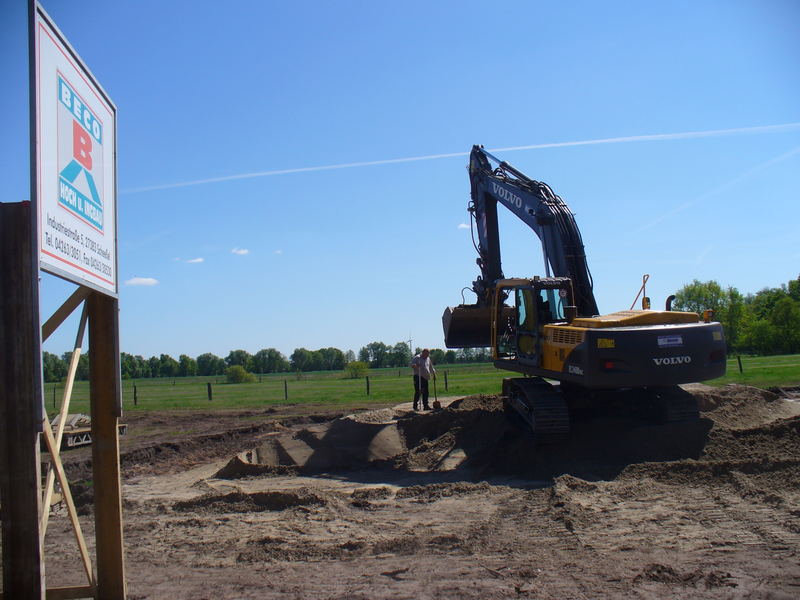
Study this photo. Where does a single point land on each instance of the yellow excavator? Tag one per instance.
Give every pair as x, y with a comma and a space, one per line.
548, 327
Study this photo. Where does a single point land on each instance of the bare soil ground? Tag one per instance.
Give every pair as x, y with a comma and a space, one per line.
456, 504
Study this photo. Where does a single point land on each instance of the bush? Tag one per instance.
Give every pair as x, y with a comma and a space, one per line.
237, 374
356, 369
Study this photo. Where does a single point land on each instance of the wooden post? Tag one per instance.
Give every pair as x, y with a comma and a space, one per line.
21, 404
208, 391
367, 378
285, 390
445, 380
135, 395
106, 408
739, 358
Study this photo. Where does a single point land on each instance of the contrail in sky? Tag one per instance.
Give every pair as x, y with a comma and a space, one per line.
615, 140
722, 188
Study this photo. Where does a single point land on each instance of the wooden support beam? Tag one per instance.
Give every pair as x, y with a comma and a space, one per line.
71, 372
21, 405
106, 407
68, 593
73, 514
64, 311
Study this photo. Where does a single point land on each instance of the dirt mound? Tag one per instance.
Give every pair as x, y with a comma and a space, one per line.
741, 406
240, 502
437, 491
740, 426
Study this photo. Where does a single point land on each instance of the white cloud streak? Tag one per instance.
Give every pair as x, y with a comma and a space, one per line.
192, 261
722, 188
142, 281
240, 251
463, 226
685, 135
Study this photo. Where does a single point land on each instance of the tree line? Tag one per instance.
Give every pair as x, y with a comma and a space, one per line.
767, 322
267, 360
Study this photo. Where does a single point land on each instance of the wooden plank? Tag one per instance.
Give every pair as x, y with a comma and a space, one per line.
64, 311
71, 593
68, 593
73, 514
73, 369
21, 403
106, 408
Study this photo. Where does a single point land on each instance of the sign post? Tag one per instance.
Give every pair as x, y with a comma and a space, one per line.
69, 229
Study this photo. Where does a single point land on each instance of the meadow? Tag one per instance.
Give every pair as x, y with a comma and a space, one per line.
332, 388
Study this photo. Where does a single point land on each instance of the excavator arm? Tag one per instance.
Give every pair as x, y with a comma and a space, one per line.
536, 205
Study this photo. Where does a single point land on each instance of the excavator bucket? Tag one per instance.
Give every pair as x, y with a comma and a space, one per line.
467, 326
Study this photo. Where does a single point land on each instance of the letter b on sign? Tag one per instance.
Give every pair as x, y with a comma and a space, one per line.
81, 146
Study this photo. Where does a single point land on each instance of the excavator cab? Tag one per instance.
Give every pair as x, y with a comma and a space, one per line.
517, 335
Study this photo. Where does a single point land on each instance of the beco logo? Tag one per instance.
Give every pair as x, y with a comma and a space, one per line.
80, 157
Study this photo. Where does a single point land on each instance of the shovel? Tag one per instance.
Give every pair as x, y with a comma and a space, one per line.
436, 404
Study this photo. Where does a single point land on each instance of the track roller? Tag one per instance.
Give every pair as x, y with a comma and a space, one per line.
541, 407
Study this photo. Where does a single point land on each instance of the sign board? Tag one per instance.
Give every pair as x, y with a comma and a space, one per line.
76, 127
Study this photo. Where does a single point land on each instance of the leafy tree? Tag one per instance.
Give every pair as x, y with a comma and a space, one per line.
349, 356
399, 355
301, 360
699, 296
187, 366
239, 357
129, 367
363, 355
761, 337
376, 353
154, 365
54, 368
450, 357
438, 357
269, 360
332, 359
142, 368
237, 374
210, 364
785, 318
82, 372
356, 369
765, 300
167, 366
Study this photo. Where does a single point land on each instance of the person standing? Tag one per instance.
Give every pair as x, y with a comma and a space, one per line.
423, 371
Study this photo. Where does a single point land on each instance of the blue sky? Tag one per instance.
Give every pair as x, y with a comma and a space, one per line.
345, 256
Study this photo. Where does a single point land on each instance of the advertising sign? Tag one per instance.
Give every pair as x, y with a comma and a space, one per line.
75, 161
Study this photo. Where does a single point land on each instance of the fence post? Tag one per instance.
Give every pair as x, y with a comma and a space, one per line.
135, 395
367, 378
739, 359
286, 390
445, 380
208, 389
54, 397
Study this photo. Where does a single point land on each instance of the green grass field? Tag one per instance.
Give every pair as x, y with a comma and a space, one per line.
387, 386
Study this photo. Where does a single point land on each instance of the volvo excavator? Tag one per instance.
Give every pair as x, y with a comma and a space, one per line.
548, 329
